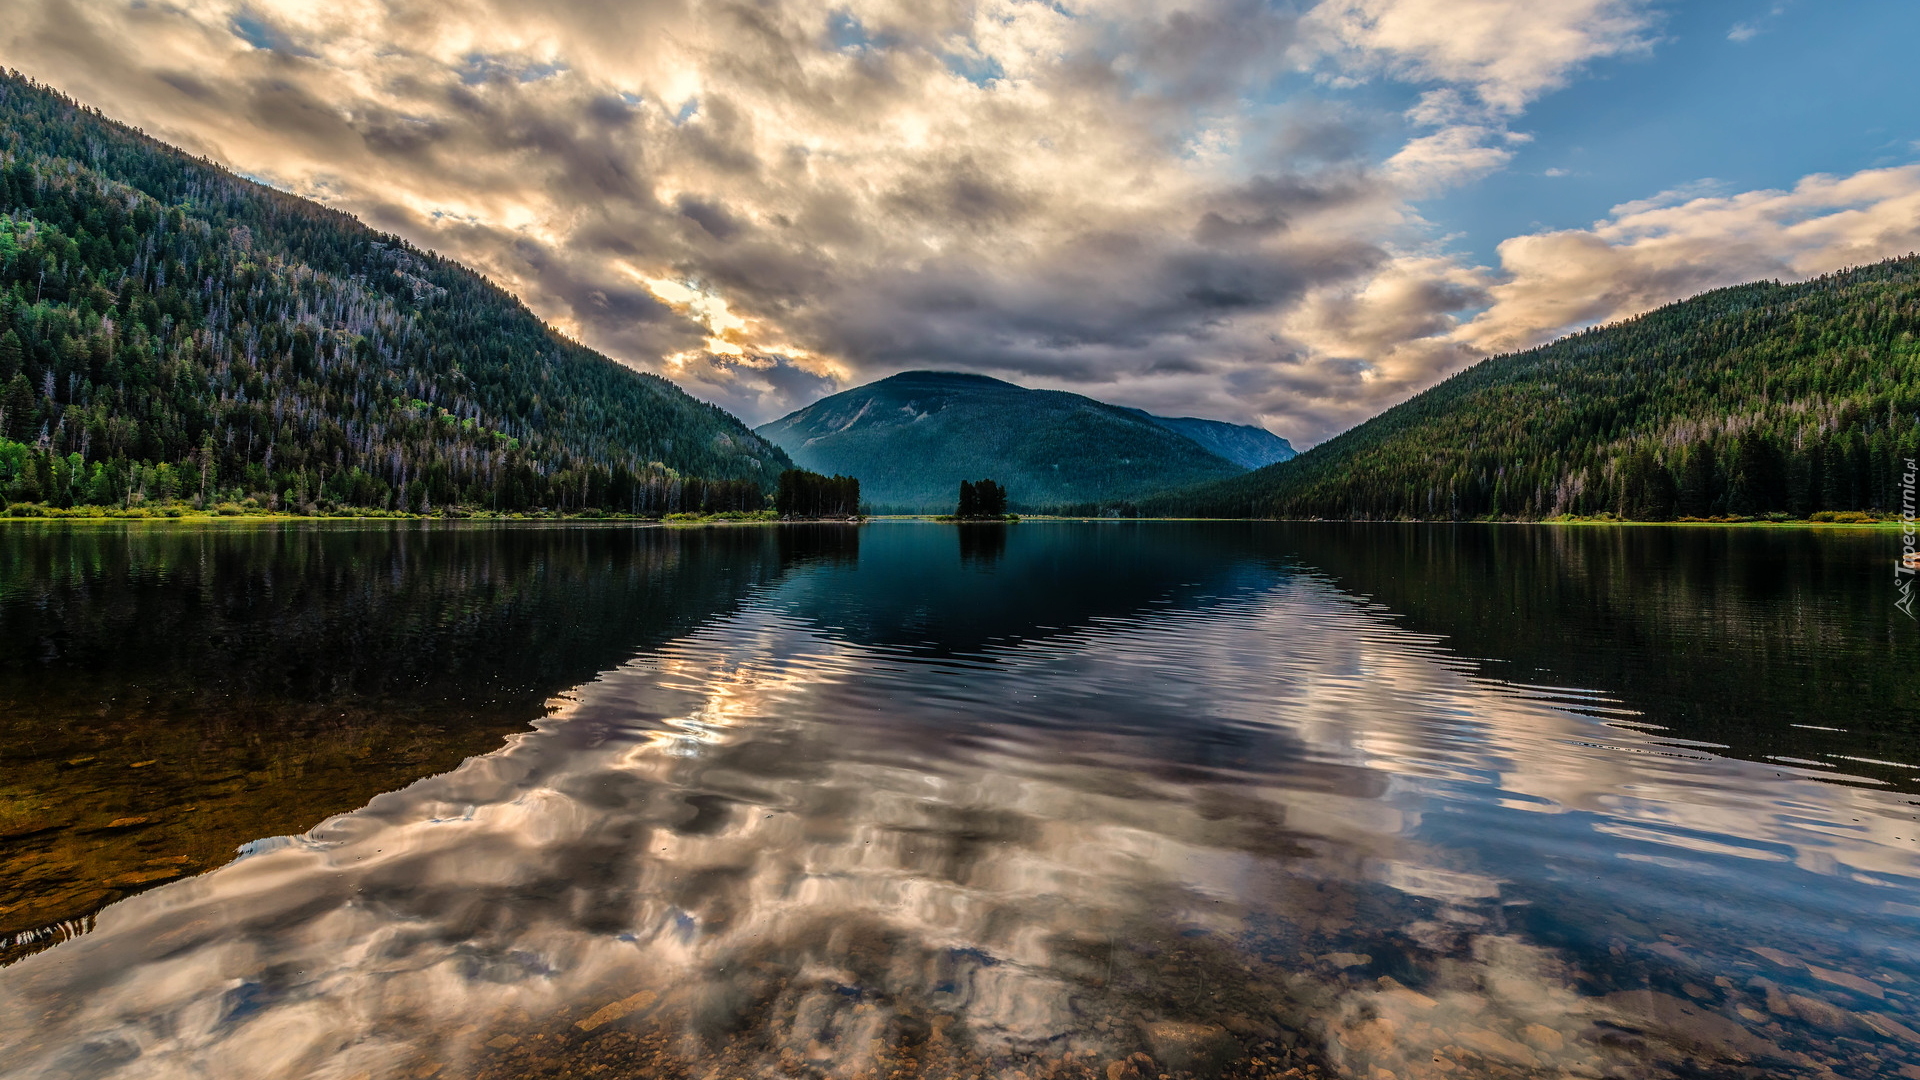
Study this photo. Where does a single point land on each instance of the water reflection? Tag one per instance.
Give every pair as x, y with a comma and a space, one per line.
1138, 801
168, 693
1776, 645
982, 545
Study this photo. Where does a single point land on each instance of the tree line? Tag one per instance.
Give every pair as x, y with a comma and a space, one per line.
188, 334
804, 494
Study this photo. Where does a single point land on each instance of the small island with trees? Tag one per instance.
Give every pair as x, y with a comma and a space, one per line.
981, 500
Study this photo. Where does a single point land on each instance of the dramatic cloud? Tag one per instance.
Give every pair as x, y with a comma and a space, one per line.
1664, 249
1400, 326
1174, 205
1507, 51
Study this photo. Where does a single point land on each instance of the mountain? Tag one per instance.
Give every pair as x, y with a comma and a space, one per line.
1243, 444
170, 329
913, 437
1746, 401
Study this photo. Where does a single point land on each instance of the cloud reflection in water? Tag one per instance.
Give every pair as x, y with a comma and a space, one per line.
1261, 820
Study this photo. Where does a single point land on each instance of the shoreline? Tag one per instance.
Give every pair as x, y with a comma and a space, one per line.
265, 517
691, 521
1795, 523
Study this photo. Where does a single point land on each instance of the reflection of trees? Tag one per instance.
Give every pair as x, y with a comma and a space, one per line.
208, 686
982, 545
1048, 579
829, 544
761, 849
1725, 635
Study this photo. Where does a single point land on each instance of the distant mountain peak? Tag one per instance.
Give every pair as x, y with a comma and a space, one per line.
912, 437
955, 378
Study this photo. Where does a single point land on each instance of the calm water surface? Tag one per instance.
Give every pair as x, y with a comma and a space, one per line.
1049, 800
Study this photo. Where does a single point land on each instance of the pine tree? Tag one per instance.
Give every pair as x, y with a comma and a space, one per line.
20, 406
12, 356
1697, 475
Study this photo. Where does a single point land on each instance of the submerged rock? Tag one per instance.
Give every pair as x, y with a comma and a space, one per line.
1205, 1050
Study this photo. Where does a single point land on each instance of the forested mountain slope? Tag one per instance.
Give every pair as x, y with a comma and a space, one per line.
911, 438
170, 330
1746, 401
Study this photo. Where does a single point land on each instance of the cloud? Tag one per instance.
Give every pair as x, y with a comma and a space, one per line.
864, 187
1660, 250
1450, 156
1365, 344
1508, 52
770, 202
1748, 29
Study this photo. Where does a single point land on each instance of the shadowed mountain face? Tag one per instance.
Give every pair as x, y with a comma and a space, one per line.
1243, 444
912, 438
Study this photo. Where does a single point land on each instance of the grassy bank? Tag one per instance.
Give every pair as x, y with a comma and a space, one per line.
756, 517
243, 512
1823, 520
240, 512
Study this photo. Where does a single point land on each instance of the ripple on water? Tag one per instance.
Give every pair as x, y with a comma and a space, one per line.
1272, 833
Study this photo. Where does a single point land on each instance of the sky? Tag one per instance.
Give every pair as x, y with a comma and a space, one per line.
1294, 214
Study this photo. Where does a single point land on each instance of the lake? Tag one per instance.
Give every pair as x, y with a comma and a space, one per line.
1043, 801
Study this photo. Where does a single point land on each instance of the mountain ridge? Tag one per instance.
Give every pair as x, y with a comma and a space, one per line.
1747, 401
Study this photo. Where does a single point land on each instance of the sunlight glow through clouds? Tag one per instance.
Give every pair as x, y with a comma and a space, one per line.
1203, 207
729, 335
706, 308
